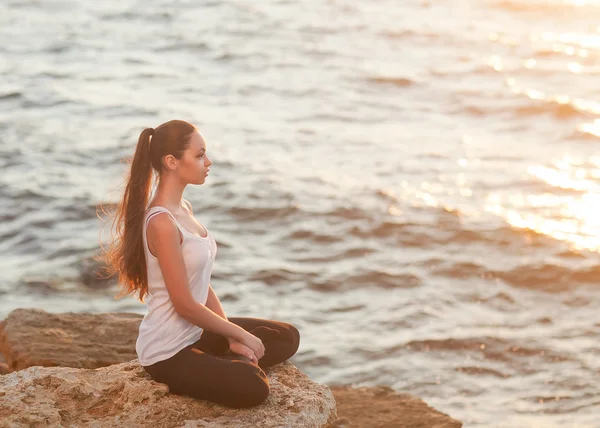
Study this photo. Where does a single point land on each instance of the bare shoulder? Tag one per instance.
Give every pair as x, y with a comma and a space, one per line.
159, 219
162, 231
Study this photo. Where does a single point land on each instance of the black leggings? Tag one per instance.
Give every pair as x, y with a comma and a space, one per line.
208, 374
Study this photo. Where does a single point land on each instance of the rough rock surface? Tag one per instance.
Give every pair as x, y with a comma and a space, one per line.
33, 337
123, 395
3, 366
382, 407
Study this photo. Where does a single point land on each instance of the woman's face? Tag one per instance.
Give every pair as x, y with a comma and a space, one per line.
194, 164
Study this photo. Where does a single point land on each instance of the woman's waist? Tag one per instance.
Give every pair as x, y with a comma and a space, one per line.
166, 330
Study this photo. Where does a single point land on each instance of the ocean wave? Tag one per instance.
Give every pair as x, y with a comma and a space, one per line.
315, 237
460, 270
491, 348
344, 309
184, 46
530, 107
540, 277
279, 276
481, 371
545, 6
410, 34
548, 277
402, 82
405, 233
559, 110
344, 255
330, 133
377, 279
349, 213
10, 95
262, 213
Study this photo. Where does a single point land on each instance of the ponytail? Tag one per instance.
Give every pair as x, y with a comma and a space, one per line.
126, 256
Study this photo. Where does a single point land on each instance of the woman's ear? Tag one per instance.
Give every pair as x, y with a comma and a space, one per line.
171, 163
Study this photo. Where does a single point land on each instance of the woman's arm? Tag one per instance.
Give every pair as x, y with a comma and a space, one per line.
163, 232
214, 304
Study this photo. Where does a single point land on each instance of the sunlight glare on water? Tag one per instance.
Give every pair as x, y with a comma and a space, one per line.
567, 213
413, 175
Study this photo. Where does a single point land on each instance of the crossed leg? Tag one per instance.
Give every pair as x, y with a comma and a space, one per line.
201, 369
281, 339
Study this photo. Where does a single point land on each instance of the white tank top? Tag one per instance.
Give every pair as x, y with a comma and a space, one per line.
163, 332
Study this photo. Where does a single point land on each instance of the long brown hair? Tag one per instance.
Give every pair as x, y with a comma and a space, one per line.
125, 257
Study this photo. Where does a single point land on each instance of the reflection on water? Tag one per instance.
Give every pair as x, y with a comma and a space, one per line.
571, 217
383, 175
591, 128
569, 43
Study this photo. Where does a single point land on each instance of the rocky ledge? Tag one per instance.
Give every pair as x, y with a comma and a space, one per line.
123, 395
80, 370
33, 337
382, 407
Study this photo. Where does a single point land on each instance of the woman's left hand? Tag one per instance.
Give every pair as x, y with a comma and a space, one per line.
241, 349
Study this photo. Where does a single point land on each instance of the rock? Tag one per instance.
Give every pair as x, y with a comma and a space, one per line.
123, 395
3, 366
33, 337
382, 407
341, 423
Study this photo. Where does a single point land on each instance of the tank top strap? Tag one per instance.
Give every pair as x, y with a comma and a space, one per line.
156, 210
151, 213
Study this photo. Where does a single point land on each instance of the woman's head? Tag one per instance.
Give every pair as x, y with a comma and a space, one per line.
174, 150
178, 149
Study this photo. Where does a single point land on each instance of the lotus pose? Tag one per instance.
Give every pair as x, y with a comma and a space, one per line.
162, 252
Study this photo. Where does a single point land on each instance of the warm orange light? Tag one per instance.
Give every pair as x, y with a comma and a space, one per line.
566, 216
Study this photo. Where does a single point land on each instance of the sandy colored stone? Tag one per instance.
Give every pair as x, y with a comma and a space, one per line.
3, 366
33, 337
123, 395
382, 407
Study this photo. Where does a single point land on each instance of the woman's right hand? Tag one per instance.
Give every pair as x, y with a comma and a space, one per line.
254, 343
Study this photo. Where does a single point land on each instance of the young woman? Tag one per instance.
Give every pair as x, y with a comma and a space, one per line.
185, 340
